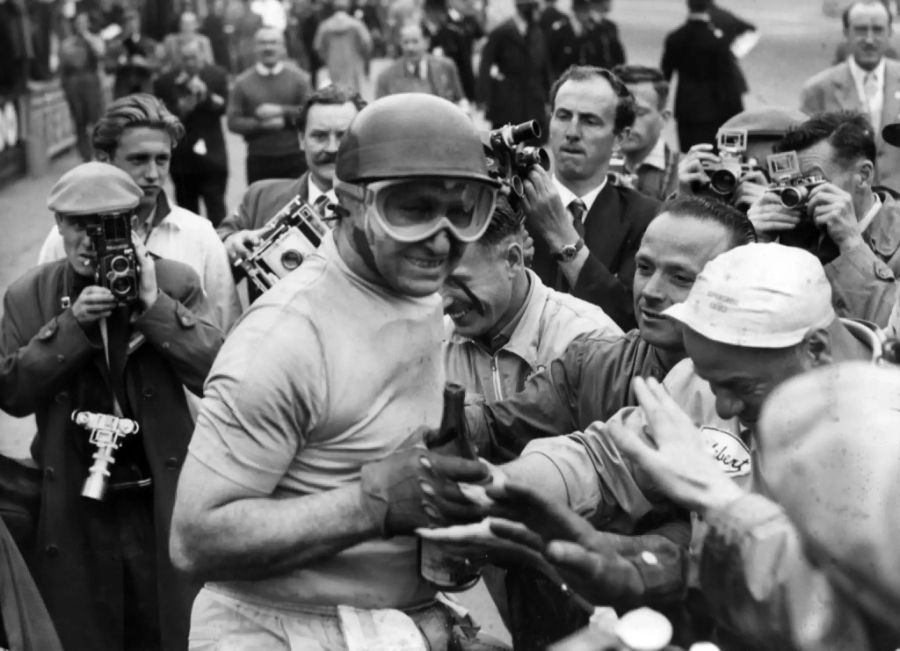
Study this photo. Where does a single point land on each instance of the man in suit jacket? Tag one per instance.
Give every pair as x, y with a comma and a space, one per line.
866, 82
586, 229
451, 36
598, 44
416, 71
324, 119
514, 75
709, 84
197, 93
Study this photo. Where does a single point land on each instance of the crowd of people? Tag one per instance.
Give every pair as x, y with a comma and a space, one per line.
680, 364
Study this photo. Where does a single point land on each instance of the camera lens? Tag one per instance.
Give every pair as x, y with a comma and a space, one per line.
122, 286
291, 259
723, 182
119, 264
793, 197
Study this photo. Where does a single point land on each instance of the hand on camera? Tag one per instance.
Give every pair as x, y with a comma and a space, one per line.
690, 167
93, 303
240, 245
833, 210
148, 289
544, 210
769, 217
415, 487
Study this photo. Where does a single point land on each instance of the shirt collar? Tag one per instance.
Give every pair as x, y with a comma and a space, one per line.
568, 196
656, 158
314, 192
866, 221
270, 72
859, 74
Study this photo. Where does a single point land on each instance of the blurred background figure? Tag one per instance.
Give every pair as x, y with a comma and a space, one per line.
449, 36
344, 45
709, 88
80, 54
241, 25
188, 30
514, 75
559, 33
197, 91
134, 58
598, 42
419, 72
265, 102
214, 29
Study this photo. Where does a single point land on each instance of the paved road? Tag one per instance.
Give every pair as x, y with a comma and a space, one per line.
797, 40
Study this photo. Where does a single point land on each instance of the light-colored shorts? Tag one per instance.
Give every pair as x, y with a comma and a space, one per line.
220, 622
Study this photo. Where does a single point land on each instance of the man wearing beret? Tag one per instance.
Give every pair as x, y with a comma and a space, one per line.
69, 344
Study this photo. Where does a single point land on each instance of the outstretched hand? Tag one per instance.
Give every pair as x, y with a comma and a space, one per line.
673, 453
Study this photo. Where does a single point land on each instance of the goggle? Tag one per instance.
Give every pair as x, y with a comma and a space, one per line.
412, 210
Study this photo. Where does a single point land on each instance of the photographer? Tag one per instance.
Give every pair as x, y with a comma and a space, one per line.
70, 344
197, 92
862, 224
765, 127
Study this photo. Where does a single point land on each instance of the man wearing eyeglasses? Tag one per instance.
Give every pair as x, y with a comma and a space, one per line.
307, 472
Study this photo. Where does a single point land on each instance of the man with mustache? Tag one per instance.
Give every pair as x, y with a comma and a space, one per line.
866, 82
324, 119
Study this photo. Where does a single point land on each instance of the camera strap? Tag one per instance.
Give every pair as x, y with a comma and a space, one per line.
115, 344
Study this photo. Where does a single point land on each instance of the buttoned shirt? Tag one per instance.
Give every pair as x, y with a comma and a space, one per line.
874, 105
568, 196
315, 193
656, 158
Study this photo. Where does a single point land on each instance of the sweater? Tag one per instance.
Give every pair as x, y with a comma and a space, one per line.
290, 88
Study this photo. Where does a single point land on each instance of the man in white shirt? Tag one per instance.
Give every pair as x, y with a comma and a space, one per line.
866, 82
324, 119
137, 134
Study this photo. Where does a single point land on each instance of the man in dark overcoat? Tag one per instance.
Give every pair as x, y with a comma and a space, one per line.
66, 344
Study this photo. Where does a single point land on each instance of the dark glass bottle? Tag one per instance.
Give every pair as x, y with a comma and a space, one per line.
442, 570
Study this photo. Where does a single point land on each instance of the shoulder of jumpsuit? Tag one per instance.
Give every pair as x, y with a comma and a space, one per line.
883, 234
263, 199
562, 316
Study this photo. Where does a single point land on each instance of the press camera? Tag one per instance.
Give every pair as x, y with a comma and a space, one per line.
509, 160
286, 239
107, 432
725, 175
117, 267
788, 182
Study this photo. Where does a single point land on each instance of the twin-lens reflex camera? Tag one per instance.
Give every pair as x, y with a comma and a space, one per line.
117, 266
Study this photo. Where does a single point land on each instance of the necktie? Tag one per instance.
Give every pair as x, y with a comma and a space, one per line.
870, 86
577, 209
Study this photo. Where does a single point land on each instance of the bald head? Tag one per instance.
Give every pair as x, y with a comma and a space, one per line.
412, 42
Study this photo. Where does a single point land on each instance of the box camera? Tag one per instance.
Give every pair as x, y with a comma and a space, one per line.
788, 182
117, 264
287, 238
724, 176
509, 159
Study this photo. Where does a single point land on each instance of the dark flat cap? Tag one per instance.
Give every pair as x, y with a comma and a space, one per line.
773, 121
93, 188
891, 134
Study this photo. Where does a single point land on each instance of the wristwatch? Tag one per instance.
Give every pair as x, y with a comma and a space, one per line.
569, 251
